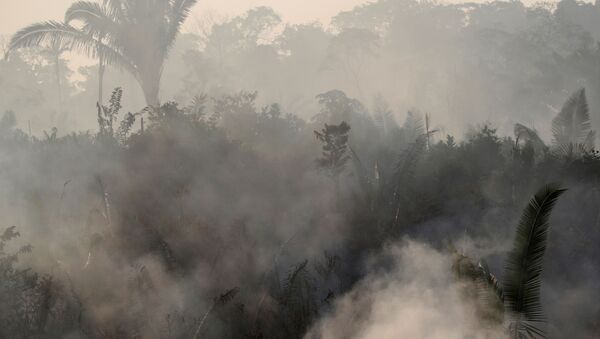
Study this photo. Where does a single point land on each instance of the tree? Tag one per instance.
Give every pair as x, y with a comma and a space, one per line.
350, 51
54, 51
135, 35
334, 156
336, 106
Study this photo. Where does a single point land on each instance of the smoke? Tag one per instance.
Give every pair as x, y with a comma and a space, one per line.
218, 210
417, 297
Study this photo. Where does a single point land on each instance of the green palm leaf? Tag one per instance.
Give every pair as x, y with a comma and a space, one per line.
523, 268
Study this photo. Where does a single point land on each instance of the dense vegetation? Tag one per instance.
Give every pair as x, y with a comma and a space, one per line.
229, 214
179, 228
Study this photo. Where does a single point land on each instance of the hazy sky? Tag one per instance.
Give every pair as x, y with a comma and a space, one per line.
15, 14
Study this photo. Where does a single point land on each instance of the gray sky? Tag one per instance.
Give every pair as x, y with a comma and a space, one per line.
15, 14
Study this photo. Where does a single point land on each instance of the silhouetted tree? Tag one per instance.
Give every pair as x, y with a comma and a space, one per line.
335, 153
135, 35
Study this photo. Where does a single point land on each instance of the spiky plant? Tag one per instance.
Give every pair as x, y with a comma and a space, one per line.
523, 267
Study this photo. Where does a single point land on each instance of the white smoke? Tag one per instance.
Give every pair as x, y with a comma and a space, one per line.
417, 298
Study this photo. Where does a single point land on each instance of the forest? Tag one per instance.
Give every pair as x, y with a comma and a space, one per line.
410, 169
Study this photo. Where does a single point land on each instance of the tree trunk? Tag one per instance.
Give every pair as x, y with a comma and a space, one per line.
58, 83
101, 69
150, 83
336, 187
151, 95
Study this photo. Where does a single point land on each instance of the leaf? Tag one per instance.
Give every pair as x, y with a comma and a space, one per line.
571, 128
523, 267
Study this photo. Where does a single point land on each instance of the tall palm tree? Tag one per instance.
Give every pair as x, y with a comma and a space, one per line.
135, 35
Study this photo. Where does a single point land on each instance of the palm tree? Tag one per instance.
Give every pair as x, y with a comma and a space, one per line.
135, 35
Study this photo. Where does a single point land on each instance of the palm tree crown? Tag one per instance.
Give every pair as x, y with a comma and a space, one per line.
135, 35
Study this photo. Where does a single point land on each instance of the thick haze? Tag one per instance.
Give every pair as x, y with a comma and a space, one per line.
25, 12
307, 169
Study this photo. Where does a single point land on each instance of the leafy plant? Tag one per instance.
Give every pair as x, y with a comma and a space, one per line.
107, 115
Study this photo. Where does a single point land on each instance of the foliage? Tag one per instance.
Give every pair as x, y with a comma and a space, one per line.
111, 31
205, 193
108, 116
522, 277
335, 147
571, 128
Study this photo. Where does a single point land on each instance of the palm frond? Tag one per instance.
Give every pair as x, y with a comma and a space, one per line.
54, 32
116, 8
179, 12
572, 125
96, 18
413, 126
490, 279
44, 33
523, 267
